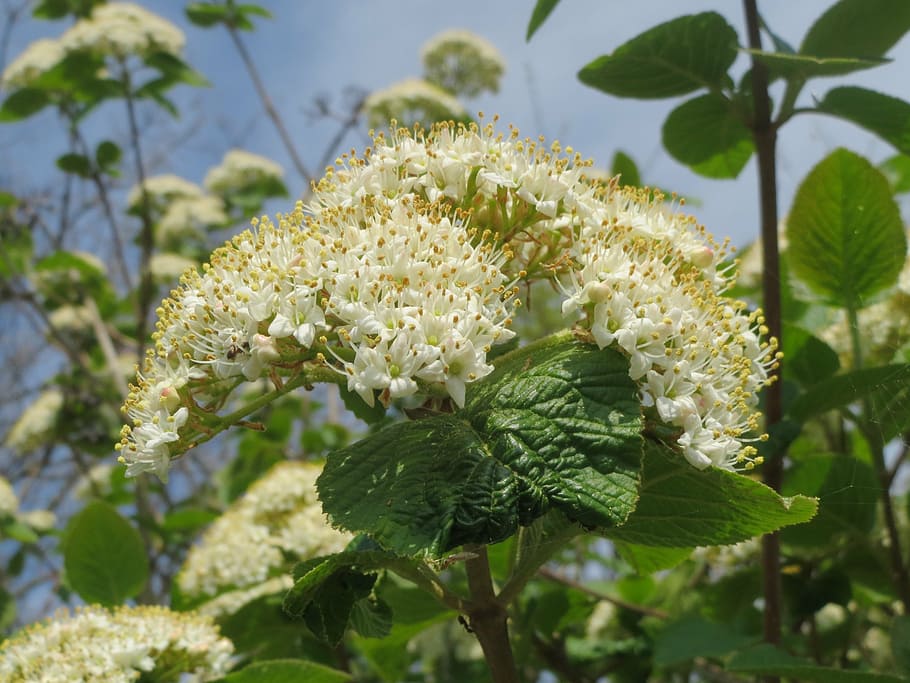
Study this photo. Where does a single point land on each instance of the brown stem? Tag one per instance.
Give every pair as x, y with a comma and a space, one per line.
764, 132
269, 107
488, 619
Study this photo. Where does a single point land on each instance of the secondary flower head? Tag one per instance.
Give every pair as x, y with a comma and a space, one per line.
462, 63
399, 277
97, 645
38, 58
280, 516
162, 190
121, 29
412, 101
36, 423
239, 169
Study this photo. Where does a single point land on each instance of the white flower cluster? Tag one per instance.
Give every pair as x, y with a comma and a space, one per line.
281, 518
411, 101
240, 169
9, 501
37, 59
463, 63
96, 645
391, 276
39, 520
115, 29
121, 29
36, 422
162, 190
188, 217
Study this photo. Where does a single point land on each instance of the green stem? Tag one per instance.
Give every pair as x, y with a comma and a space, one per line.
488, 619
306, 377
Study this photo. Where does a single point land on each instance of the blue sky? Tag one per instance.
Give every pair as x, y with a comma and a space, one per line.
319, 48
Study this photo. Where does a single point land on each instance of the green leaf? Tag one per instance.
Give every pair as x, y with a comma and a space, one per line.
623, 165
18, 531
885, 116
674, 58
261, 626
187, 519
205, 15
77, 164
254, 9
324, 596
7, 609
327, 589
557, 424
706, 134
16, 250
542, 10
107, 154
900, 642
846, 235
23, 103
862, 29
7, 199
809, 359
767, 660
842, 390
286, 671
897, 171
104, 555
888, 405
371, 618
174, 70
649, 559
848, 493
693, 636
801, 67
682, 507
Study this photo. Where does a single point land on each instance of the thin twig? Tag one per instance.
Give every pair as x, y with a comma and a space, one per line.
269, 107
571, 583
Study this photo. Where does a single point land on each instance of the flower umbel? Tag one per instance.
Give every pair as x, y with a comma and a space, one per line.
398, 278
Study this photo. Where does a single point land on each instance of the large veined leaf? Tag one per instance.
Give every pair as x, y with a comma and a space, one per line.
864, 29
674, 58
104, 555
848, 491
886, 116
556, 425
682, 507
846, 235
693, 636
841, 390
707, 136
